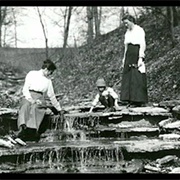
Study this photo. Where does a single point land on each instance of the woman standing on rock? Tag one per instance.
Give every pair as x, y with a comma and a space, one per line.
32, 111
134, 85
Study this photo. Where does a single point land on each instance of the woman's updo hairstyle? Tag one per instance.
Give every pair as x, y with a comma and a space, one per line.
49, 65
129, 17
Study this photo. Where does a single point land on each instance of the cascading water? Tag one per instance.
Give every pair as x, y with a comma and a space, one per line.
76, 157
80, 143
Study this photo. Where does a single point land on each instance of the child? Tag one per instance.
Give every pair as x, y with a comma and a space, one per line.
106, 96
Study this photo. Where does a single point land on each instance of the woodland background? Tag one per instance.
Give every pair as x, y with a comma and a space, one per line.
92, 54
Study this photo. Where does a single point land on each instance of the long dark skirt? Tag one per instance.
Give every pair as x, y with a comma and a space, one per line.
32, 114
134, 83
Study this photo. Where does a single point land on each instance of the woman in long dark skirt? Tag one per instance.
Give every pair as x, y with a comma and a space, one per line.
134, 83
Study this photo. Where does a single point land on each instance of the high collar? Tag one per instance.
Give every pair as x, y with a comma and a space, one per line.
133, 26
41, 72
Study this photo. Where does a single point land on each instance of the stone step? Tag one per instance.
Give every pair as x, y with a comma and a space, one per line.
138, 146
153, 111
153, 114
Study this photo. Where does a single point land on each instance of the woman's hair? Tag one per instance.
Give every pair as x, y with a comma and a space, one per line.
49, 65
129, 17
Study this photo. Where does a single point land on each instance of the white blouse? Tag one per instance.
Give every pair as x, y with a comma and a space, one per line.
35, 80
105, 93
136, 36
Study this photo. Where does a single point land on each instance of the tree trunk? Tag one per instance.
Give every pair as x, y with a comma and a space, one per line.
135, 14
121, 15
3, 13
15, 28
170, 23
175, 16
67, 24
90, 24
96, 20
172, 26
0, 26
44, 32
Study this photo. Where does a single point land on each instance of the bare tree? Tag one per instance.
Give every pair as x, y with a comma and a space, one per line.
63, 21
3, 14
44, 31
10, 24
90, 31
66, 25
135, 14
97, 20
170, 19
15, 27
122, 12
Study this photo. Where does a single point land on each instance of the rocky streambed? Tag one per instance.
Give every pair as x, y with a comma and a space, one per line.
131, 140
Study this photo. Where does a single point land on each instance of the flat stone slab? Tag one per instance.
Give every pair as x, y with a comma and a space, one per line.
150, 110
172, 136
75, 112
148, 145
131, 146
132, 124
170, 123
170, 103
8, 111
129, 129
153, 111
176, 109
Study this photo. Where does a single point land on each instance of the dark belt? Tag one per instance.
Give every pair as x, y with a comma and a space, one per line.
133, 65
36, 91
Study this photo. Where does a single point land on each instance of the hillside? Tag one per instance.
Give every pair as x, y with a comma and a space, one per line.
103, 59
78, 68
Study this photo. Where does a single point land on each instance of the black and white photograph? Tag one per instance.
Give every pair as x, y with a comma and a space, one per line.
90, 90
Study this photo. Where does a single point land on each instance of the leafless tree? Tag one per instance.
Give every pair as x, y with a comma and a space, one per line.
90, 31
170, 20
135, 13
3, 14
67, 24
15, 27
97, 20
121, 14
44, 31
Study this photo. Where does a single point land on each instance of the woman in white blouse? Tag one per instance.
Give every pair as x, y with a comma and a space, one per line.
33, 107
134, 83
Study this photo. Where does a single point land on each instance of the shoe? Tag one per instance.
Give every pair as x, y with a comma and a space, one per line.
15, 140
37, 137
20, 141
134, 104
11, 139
21, 134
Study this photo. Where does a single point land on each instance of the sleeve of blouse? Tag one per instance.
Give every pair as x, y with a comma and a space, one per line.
52, 97
26, 87
96, 100
142, 43
113, 93
125, 38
